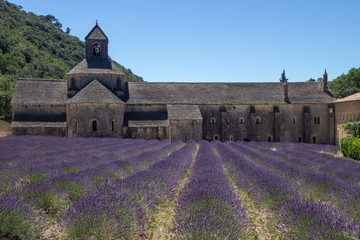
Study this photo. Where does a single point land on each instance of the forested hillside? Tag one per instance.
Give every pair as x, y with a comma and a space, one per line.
34, 46
346, 84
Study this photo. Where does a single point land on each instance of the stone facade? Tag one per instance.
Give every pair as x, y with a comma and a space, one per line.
347, 110
96, 101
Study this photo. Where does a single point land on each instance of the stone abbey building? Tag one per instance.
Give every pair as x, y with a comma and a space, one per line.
96, 101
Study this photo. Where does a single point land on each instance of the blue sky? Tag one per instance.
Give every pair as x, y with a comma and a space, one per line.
219, 41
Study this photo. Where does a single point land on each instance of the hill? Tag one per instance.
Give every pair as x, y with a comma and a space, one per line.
346, 84
34, 46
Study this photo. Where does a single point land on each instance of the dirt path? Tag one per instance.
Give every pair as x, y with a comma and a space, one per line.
162, 227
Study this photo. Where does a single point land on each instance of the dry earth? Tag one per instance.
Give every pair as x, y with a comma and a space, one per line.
5, 128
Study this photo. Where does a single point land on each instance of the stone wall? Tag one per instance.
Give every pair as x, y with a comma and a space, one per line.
39, 112
185, 130
283, 123
108, 119
147, 132
40, 131
345, 112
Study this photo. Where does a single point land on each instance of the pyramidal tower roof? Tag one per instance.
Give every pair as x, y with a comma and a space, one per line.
95, 92
96, 33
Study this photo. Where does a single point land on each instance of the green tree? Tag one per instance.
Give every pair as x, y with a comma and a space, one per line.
353, 127
283, 77
346, 84
6, 90
34, 46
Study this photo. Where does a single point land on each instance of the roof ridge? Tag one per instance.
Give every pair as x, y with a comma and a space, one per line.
93, 29
217, 83
41, 79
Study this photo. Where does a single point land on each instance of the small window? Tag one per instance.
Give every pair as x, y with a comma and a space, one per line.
231, 138
315, 120
94, 126
75, 126
269, 139
72, 83
242, 120
299, 139
97, 49
113, 129
185, 137
213, 120
118, 83
314, 140
318, 120
294, 120
216, 137
258, 120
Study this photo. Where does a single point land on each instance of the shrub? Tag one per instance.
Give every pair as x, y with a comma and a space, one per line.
350, 147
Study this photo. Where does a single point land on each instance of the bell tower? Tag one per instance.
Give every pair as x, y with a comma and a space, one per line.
97, 49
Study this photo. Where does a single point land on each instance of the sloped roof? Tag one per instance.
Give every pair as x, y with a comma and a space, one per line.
354, 97
96, 33
95, 92
82, 67
226, 93
184, 112
39, 124
39, 91
148, 123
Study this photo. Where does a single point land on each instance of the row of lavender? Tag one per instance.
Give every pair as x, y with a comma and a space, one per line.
313, 158
41, 177
122, 209
207, 207
319, 176
269, 181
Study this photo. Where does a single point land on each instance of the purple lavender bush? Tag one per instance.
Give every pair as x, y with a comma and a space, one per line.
18, 220
207, 207
121, 209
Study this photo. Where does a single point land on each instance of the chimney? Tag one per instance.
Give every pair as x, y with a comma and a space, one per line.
325, 78
286, 95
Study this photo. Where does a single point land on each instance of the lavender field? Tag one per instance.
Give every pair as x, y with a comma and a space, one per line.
106, 188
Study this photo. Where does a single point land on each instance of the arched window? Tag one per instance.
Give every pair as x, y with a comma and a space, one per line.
227, 121
96, 49
242, 120
75, 126
258, 120
294, 120
213, 120
299, 139
185, 137
314, 120
314, 140
318, 120
231, 138
216, 137
269, 139
94, 126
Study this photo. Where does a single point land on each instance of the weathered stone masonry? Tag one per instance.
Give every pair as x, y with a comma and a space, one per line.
96, 101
